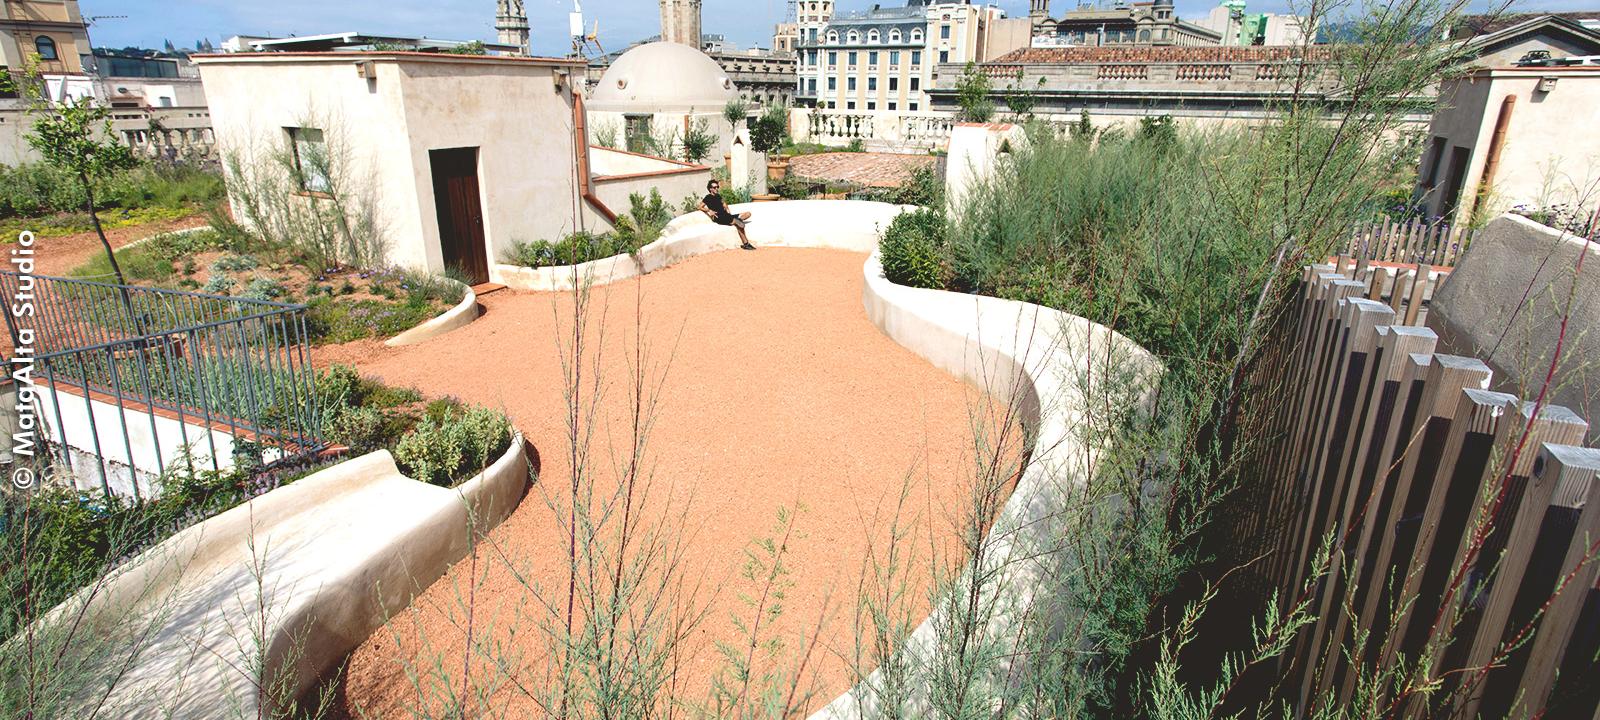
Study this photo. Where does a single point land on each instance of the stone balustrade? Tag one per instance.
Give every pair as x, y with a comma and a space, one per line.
890, 130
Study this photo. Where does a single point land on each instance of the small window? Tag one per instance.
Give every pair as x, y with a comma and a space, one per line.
833, 83
916, 57
891, 105
911, 106
873, 37
895, 37
833, 38
872, 58
944, 32
872, 105
916, 35
310, 159
894, 57
855, 38
46, 47
833, 57
944, 56
850, 105
872, 84
851, 59
916, 84
850, 84
894, 84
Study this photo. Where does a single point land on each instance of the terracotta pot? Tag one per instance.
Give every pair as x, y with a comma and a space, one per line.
777, 171
767, 197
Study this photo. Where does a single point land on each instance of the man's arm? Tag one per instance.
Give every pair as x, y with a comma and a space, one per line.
707, 210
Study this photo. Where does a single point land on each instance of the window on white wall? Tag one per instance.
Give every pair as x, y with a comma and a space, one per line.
873, 37
310, 159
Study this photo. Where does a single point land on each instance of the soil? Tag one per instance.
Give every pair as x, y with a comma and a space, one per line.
58, 255
778, 393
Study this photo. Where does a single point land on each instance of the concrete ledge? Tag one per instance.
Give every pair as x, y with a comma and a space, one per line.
464, 312
312, 569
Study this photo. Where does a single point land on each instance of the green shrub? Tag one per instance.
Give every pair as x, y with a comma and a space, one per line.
219, 284
579, 247
341, 320
770, 130
36, 189
233, 263
912, 249
362, 429
263, 288
444, 452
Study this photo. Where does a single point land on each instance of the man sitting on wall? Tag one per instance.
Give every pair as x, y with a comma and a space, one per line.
717, 210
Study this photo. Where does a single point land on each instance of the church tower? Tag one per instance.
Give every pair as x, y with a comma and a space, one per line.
680, 22
1038, 11
512, 22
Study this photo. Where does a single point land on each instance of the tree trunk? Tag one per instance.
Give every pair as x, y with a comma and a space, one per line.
94, 218
134, 324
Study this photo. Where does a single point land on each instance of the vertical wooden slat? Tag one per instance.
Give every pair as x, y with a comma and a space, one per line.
1559, 470
1363, 449
1418, 288
1397, 296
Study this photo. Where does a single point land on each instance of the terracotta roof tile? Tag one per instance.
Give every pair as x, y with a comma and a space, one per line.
1148, 54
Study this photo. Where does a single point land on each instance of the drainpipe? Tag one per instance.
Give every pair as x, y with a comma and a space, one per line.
1491, 163
580, 130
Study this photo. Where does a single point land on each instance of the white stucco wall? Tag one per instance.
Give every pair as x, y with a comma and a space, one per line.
513, 110
1551, 152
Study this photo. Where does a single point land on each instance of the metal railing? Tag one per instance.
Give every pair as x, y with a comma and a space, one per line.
130, 380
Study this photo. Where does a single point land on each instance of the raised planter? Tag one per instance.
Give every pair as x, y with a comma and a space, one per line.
315, 567
777, 170
462, 313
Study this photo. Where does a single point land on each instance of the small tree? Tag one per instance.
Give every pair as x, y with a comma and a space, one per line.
770, 130
697, 142
1083, 129
736, 111
972, 94
76, 136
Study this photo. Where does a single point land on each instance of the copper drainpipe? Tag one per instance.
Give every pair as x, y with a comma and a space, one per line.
580, 125
1491, 163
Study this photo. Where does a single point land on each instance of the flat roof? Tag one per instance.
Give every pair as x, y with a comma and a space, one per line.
267, 58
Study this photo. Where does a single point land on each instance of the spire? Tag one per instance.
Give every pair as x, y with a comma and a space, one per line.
511, 20
1038, 11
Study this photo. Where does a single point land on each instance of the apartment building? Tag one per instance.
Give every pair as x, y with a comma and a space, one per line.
887, 58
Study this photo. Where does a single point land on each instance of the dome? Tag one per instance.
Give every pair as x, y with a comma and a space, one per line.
662, 77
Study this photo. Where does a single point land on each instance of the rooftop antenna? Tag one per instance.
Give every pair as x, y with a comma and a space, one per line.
92, 19
580, 39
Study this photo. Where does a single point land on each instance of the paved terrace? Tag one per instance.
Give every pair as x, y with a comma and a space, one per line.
780, 392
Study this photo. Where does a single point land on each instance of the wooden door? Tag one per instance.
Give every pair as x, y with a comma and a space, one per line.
460, 208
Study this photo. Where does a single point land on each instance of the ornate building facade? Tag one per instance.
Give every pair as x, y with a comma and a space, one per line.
511, 21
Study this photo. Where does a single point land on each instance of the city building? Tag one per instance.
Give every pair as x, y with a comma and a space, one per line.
1240, 28
511, 25
1509, 136
51, 30
886, 58
1502, 41
358, 41
1153, 22
785, 36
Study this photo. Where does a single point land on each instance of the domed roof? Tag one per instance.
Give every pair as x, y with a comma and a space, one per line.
662, 77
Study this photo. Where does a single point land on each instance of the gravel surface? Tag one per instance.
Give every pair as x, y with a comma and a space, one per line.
779, 393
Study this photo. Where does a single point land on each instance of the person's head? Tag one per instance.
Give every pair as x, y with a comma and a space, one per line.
713, 186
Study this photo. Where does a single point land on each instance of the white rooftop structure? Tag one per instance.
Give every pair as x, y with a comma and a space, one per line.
662, 77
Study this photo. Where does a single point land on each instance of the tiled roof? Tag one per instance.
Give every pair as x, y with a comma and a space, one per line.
881, 170
1148, 54
1474, 25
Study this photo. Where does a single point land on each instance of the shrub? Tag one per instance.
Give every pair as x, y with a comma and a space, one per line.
263, 288
234, 263
736, 111
443, 452
36, 189
770, 130
972, 95
579, 247
912, 249
362, 429
219, 284
698, 142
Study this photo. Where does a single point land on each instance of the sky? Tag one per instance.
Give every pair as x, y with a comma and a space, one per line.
149, 23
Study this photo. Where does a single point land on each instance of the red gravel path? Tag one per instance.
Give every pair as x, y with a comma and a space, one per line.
780, 392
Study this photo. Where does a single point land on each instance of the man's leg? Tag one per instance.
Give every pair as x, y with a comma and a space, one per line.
744, 240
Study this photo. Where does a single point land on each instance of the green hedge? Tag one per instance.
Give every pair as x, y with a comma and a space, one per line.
912, 249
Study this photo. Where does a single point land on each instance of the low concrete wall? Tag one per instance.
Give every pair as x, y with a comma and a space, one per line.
1052, 365
464, 312
314, 568
1504, 303
839, 224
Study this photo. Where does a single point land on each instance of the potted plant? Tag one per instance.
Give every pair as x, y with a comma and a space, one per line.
767, 135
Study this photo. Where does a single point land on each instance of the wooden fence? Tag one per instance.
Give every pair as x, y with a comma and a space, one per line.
1464, 522
1408, 242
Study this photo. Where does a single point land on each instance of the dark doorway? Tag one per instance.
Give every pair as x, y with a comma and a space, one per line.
455, 196
1453, 184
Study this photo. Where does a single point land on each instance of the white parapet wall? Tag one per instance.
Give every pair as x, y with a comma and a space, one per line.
278, 590
1054, 368
458, 316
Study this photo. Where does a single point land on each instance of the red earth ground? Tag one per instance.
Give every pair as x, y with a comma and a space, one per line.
778, 393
